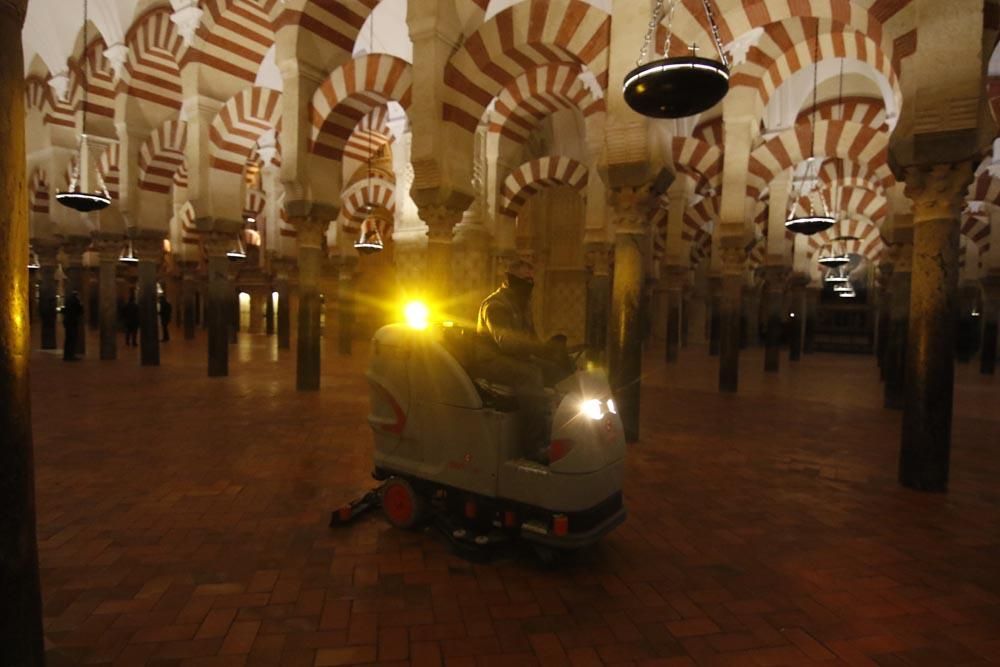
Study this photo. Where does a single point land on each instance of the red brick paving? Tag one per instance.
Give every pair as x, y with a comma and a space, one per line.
183, 522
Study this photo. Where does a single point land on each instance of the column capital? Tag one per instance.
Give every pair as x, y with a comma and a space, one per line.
673, 276
147, 245
776, 277
310, 230
798, 281
440, 220
74, 247
733, 254
108, 246
937, 190
47, 251
16, 7
632, 207
216, 244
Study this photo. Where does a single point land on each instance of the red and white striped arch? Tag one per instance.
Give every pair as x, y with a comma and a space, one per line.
787, 47
847, 173
699, 159
834, 138
109, 167
190, 236
701, 247
327, 22
181, 175
710, 131
352, 91
369, 136
38, 192
234, 36
239, 124
152, 69
536, 94
867, 243
378, 193
100, 81
976, 228
161, 155
36, 92
40, 96
868, 111
518, 39
536, 174
253, 204
984, 187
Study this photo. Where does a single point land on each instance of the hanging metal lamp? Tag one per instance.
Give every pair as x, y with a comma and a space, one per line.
679, 86
238, 252
370, 240
835, 257
75, 198
33, 261
128, 254
819, 218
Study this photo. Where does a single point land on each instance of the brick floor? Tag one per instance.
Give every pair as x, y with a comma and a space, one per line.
183, 522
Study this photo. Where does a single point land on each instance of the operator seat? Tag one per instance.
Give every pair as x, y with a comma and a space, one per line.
461, 343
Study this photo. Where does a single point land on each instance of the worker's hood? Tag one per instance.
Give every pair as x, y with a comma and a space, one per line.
520, 288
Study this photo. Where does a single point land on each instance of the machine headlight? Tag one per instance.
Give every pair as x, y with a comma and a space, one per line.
612, 408
592, 408
417, 315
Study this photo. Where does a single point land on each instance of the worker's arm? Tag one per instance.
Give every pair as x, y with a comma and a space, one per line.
512, 342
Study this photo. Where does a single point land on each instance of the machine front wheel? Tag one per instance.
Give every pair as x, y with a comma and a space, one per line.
403, 507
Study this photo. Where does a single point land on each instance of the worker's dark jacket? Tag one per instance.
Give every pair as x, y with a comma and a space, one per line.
507, 324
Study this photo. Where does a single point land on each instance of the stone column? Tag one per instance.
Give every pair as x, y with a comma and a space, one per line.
598, 299
751, 310
937, 193
108, 248
74, 248
991, 313
884, 279
714, 314
233, 324
256, 311
21, 637
674, 276
440, 221
798, 316
268, 310
48, 252
284, 310
733, 259
219, 302
311, 231
92, 298
189, 304
775, 296
345, 304
625, 337
894, 367
148, 247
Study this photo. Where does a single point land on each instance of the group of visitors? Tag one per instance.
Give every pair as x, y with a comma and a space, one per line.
128, 316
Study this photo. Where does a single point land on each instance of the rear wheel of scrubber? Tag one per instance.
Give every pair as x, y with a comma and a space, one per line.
402, 506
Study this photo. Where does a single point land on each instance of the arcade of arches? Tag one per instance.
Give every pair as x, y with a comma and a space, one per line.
468, 133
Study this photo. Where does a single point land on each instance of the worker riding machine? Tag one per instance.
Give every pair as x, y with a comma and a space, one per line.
447, 446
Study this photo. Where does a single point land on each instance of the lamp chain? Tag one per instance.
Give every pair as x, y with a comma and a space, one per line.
654, 21
715, 32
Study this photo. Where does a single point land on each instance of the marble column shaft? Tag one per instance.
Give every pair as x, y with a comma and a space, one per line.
108, 250
598, 300
991, 315
893, 361
930, 352
284, 313
75, 283
730, 309
772, 343
345, 307
47, 302
218, 306
189, 305
714, 315
308, 358
21, 635
149, 325
269, 311
797, 324
625, 339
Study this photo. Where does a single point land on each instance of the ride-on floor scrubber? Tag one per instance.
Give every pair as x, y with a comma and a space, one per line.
447, 447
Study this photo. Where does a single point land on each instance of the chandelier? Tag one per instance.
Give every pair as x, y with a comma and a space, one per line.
679, 86
370, 240
818, 218
238, 251
75, 198
33, 261
835, 256
128, 254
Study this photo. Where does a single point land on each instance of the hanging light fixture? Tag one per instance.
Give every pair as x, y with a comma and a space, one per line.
33, 261
836, 256
819, 218
238, 251
128, 254
75, 198
835, 278
848, 294
370, 240
679, 86
842, 287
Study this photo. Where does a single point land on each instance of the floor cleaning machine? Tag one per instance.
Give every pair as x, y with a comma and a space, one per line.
447, 446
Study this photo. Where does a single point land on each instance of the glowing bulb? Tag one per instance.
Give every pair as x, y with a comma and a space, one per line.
612, 408
417, 315
592, 408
